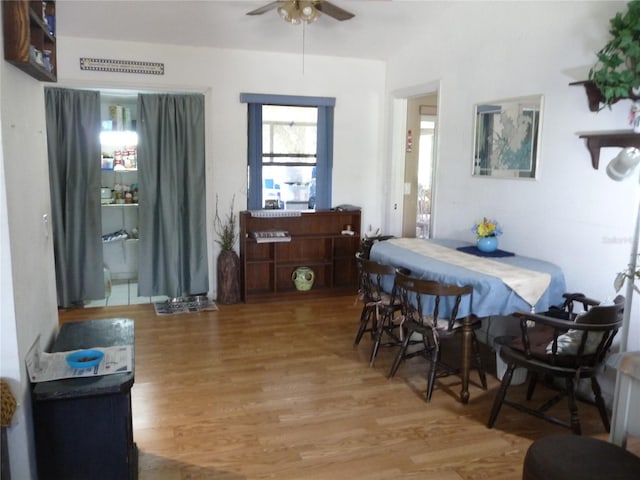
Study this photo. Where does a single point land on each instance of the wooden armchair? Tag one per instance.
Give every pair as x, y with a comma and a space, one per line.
567, 349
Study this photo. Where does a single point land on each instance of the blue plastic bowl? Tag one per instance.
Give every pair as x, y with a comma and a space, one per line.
85, 358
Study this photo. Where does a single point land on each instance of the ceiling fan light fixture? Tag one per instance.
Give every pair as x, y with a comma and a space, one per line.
308, 12
295, 12
285, 12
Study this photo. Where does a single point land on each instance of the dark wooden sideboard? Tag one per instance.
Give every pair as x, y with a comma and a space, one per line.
316, 242
83, 426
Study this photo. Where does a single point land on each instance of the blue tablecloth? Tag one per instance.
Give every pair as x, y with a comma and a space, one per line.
491, 297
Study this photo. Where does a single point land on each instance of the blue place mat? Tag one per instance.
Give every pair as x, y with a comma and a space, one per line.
473, 250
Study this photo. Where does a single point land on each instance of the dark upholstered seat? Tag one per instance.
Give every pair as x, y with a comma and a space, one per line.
573, 457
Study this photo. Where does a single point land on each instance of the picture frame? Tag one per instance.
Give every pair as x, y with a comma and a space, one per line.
506, 138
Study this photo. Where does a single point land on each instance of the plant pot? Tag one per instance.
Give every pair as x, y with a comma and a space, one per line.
228, 277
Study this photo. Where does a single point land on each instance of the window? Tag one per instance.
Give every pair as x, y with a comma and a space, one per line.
290, 154
289, 140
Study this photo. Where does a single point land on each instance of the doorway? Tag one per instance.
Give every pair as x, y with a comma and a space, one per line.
108, 173
420, 153
428, 121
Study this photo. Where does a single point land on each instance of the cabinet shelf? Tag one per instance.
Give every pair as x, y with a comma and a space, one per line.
310, 236
260, 260
120, 240
307, 262
316, 242
614, 138
26, 31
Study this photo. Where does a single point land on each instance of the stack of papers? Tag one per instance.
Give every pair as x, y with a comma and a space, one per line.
44, 367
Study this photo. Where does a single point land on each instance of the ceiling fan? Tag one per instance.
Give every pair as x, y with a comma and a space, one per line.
297, 11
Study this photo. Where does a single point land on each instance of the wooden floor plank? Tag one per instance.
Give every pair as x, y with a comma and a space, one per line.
277, 391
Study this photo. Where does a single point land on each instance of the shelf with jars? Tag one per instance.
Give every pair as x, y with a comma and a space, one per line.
119, 165
30, 37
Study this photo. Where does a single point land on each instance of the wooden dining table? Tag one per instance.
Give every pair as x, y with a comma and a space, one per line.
503, 283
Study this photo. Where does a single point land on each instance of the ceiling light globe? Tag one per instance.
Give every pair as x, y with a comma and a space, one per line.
283, 13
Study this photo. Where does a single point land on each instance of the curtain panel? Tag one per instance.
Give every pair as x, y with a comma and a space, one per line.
73, 143
172, 206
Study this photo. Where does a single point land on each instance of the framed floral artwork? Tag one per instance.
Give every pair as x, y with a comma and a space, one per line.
507, 138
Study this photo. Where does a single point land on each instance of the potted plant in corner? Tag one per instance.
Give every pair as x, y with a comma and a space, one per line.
616, 73
228, 264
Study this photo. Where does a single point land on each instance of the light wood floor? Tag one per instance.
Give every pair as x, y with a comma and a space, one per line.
277, 391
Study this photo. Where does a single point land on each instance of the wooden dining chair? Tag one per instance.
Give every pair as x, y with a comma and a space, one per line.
567, 310
567, 350
422, 301
379, 307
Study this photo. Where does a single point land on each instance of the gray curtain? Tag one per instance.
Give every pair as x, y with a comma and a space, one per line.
172, 250
73, 142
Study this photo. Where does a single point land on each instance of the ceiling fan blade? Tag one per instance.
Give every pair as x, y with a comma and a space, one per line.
264, 8
334, 11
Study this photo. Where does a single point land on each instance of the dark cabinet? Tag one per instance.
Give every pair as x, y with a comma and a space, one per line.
316, 241
83, 426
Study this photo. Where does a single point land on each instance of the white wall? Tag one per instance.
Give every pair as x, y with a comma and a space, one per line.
572, 215
470, 50
357, 85
27, 279
28, 289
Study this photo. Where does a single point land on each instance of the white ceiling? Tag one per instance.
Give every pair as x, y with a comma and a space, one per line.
378, 28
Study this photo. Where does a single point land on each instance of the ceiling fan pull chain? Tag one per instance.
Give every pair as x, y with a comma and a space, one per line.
303, 40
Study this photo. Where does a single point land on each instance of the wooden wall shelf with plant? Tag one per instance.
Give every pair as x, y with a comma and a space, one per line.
616, 73
615, 76
595, 97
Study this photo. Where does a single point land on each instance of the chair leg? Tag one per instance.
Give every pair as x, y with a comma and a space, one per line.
597, 392
478, 361
573, 407
380, 327
435, 357
365, 316
502, 392
400, 356
533, 381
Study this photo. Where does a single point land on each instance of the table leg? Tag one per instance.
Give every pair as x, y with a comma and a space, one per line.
467, 332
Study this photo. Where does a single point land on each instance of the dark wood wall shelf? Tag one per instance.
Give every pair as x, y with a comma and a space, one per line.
29, 37
615, 138
595, 97
316, 242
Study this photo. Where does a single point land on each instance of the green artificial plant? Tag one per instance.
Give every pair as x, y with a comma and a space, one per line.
225, 228
617, 71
